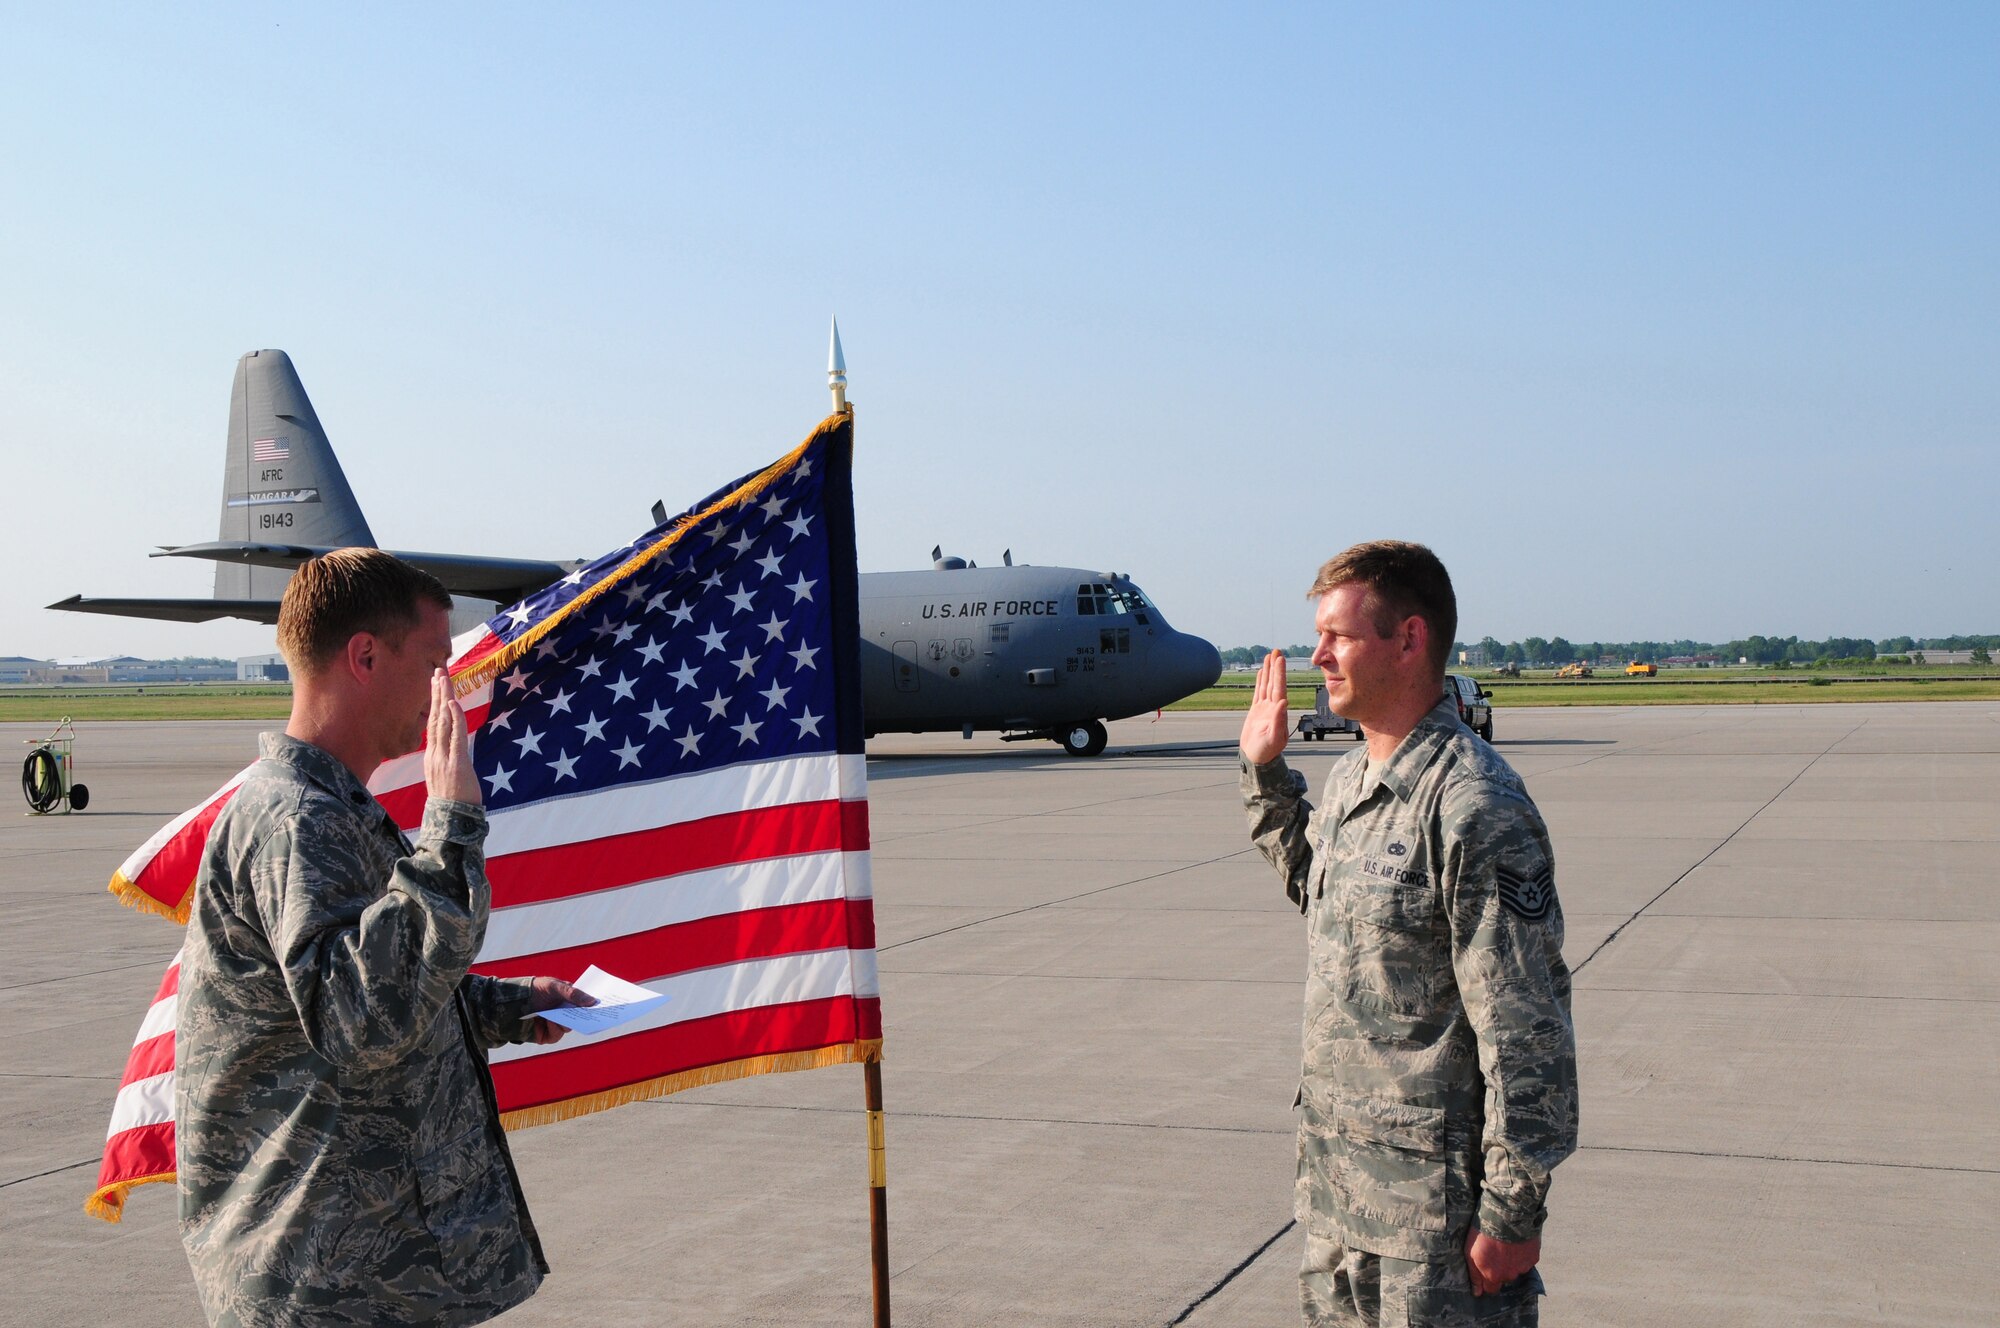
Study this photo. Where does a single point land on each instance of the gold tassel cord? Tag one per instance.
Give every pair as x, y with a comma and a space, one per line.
132, 896
748, 491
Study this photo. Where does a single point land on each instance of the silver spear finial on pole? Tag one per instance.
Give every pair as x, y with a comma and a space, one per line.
836, 371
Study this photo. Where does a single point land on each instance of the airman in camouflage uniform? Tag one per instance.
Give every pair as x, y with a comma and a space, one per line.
339, 1147
1439, 1080
341, 1159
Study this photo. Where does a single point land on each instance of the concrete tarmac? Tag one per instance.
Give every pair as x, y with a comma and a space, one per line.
1783, 922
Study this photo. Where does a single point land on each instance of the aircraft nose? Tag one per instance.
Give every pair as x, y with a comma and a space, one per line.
1193, 663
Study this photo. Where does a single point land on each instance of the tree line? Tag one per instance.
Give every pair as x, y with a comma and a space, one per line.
1757, 649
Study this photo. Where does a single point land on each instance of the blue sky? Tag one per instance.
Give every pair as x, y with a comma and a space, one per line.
1655, 321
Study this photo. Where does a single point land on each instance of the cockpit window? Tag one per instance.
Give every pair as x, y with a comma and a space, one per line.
1094, 598
1132, 599
1100, 597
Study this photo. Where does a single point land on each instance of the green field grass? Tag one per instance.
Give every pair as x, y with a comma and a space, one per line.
1735, 687
47, 705
233, 700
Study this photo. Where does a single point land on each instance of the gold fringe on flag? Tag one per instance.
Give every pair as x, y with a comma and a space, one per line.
109, 1200
750, 489
132, 896
846, 1053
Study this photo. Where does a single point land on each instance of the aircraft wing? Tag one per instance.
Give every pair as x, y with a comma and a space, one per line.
500, 579
175, 610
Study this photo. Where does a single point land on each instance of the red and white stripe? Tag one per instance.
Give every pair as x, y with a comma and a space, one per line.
743, 892
139, 1146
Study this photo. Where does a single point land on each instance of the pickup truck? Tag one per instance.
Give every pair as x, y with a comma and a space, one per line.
1475, 703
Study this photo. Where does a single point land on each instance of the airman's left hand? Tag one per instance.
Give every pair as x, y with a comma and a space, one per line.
1495, 1263
553, 994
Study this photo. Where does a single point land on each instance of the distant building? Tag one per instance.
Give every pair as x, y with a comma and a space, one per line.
1941, 656
73, 669
263, 668
88, 670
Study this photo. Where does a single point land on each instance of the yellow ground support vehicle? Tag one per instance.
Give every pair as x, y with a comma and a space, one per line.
1573, 671
1637, 670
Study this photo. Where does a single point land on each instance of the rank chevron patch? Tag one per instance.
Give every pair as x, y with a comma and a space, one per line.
1531, 897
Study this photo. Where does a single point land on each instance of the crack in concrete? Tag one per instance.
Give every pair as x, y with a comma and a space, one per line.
1232, 1274
971, 1116
1619, 930
1780, 1157
1015, 913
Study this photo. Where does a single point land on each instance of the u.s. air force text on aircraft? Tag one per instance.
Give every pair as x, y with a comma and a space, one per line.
1033, 652
1000, 608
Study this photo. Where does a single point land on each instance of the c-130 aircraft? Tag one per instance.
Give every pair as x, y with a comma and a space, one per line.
1029, 652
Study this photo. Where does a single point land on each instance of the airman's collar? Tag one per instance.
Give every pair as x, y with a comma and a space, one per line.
1414, 755
316, 764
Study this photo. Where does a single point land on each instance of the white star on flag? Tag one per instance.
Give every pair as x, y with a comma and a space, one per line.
599, 853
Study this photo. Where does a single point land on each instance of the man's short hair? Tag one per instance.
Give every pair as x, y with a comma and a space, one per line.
337, 594
1404, 581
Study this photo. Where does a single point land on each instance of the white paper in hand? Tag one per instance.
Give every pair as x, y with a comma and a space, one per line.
618, 1002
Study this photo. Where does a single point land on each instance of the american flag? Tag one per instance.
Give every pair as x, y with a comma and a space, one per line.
670, 743
270, 449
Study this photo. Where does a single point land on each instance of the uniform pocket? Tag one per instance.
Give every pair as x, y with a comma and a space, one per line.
468, 1207
1384, 1161
1390, 905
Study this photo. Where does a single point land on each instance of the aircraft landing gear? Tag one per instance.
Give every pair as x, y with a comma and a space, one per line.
1086, 738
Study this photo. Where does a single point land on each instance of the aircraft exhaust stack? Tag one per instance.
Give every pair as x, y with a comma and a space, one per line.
836, 371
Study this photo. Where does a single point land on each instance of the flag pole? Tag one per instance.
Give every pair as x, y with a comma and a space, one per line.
871, 1071
836, 371
878, 1190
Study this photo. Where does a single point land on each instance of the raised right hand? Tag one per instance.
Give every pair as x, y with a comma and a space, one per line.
1268, 724
448, 769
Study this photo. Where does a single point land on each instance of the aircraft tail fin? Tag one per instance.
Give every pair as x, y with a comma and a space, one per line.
281, 483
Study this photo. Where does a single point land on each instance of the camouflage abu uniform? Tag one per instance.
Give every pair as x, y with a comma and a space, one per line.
340, 1153
1439, 1059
